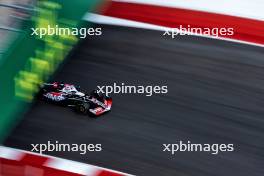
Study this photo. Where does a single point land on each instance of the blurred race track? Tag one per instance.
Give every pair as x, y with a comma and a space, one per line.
216, 95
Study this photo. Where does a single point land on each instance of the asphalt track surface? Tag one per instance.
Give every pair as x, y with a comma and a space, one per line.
216, 95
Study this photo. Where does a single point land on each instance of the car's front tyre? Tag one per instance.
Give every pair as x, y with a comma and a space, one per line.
82, 108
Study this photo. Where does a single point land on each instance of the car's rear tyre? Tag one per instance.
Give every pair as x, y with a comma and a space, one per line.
83, 108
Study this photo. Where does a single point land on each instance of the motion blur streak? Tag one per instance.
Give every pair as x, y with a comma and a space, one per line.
244, 29
15, 162
215, 95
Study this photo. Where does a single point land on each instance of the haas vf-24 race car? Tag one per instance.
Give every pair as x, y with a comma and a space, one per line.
67, 94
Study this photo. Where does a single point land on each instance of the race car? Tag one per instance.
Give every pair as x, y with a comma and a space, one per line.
94, 103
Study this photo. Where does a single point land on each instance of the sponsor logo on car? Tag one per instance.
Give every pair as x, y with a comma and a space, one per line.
55, 96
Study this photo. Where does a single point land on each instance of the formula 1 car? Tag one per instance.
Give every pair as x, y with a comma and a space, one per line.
94, 103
